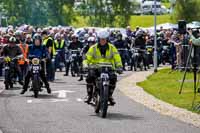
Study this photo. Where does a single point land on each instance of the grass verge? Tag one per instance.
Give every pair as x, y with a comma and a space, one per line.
136, 20
165, 86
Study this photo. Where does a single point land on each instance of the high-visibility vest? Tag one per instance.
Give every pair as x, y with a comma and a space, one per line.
53, 47
24, 52
57, 46
93, 56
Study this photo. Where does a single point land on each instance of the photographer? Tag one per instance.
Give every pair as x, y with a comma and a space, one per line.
195, 37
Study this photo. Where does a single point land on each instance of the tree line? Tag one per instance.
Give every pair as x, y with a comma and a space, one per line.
97, 12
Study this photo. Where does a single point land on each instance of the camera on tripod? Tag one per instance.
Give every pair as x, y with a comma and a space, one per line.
182, 27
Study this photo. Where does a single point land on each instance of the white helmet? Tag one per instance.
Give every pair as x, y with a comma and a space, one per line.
103, 34
91, 39
57, 35
86, 36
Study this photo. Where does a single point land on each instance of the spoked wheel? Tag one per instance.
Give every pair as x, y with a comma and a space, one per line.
104, 101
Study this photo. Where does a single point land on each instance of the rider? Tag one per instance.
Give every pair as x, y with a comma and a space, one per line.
49, 43
102, 52
59, 44
37, 50
12, 50
74, 45
91, 41
140, 43
121, 45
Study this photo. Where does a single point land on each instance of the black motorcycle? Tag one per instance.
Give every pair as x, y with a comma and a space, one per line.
150, 51
59, 63
10, 71
74, 62
35, 68
100, 94
138, 59
165, 55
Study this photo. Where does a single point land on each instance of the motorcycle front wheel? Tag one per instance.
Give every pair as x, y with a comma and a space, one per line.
104, 101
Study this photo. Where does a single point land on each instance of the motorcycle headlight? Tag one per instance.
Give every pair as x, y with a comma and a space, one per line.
35, 61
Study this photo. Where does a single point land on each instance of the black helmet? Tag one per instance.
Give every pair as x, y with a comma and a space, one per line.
119, 36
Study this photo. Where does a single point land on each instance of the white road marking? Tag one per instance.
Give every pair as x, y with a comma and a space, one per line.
47, 101
29, 101
79, 100
63, 93
1, 92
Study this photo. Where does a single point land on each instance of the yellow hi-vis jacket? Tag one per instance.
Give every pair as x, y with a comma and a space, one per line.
53, 47
94, 57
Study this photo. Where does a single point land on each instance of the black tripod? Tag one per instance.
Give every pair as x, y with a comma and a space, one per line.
192, 51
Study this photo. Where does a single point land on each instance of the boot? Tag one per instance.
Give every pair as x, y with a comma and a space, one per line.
48, 88
88, 98
23, 90
112, 101
81, 78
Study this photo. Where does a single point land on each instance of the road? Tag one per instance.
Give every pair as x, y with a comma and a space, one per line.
65, 112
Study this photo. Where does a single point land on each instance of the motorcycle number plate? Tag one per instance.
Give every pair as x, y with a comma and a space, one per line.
35, 69
136, 54
104, 76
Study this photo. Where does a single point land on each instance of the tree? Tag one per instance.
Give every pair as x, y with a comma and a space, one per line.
39, 12
61, 12
110, 12
188, 10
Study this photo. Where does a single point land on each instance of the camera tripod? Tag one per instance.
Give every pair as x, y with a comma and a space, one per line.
193, 58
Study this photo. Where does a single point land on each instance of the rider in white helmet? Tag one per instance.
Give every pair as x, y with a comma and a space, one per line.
102, 52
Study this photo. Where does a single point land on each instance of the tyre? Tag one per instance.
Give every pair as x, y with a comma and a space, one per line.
36, 93
6, 86
11, 85
36, 85
104, 101
7, 79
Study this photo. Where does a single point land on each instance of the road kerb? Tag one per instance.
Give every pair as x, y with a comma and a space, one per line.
128, 87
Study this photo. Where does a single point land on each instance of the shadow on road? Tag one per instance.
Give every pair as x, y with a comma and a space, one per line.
59, 82
119, 116
43, 96
6, 95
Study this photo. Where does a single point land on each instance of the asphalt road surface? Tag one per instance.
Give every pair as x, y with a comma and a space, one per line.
65, 112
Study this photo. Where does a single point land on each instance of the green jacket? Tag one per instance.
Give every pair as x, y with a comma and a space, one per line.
195, 41
93, 56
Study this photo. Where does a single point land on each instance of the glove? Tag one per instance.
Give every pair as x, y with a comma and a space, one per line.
7, 59
119, 70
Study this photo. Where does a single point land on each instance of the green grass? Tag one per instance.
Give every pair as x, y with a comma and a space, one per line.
142, 21
165, 86
148, 20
